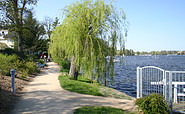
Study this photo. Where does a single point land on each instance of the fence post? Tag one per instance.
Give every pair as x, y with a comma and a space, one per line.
12, 72
165, 85
141, 82
170, 90
175, 93
138, 77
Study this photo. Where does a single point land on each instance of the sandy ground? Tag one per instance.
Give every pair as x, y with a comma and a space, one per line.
45, 95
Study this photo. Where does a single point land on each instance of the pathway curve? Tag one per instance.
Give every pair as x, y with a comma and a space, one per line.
44, 95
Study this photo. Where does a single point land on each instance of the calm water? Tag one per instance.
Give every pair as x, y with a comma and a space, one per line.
125, 74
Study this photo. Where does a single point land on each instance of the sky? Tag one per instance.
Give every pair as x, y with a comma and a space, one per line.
155, 25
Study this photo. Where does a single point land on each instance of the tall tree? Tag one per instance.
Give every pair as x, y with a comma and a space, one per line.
88, 31
33, 33
14, 11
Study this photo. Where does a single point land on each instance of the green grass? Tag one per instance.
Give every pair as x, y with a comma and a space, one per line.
85, 85
108, 92
79, 86
100, 110
64, 70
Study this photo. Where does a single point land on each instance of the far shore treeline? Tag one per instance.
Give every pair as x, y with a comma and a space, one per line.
130, 52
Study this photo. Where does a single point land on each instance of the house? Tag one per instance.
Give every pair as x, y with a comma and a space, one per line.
4, 41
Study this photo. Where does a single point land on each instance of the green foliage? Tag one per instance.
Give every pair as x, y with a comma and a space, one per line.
9, 50
24, 74
63, 63
31, 67
108, 92
89, 32
33, 33
64, 71
84, 79
99, 110
7, 63
41, 61
23, 68
13, 12
129, 52
153, 104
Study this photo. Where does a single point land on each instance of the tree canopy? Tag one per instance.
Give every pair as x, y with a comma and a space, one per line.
12, 12
33, 34
89, 32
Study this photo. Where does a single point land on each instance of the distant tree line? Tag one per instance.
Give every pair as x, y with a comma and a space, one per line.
130, 52
126, 52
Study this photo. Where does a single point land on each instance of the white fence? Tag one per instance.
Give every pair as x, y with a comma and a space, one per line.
171, 84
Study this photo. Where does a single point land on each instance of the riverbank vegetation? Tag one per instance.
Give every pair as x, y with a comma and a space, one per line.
84, 84
87, 86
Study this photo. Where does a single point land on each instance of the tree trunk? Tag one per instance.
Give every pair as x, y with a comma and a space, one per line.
19, 43
73, 72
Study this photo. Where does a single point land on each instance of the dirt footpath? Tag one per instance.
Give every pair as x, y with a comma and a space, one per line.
44, 95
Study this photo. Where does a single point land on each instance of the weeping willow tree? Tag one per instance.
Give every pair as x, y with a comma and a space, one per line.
90, 31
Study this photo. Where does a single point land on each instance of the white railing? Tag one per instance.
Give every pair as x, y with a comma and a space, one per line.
171, 84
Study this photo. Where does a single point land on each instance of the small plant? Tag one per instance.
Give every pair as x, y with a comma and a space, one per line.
24, 74
153, 104
41, 61
31, 66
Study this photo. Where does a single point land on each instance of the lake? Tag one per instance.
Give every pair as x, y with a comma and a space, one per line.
125, 77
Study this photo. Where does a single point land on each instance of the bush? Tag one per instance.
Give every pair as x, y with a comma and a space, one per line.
24, 74
23, 68
41, 61
7, 63
31, 67
153, 104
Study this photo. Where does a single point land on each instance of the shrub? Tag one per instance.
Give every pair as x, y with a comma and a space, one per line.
65, 65
41, 61
153, 104
23, 68
24, 74
7, 63
31, 67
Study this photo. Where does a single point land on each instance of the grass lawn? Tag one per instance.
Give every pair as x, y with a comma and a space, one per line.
79, 86
86, 86
100, 110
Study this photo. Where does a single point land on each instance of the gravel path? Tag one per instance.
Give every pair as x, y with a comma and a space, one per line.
44, 95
